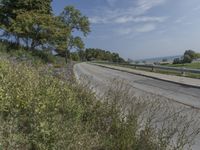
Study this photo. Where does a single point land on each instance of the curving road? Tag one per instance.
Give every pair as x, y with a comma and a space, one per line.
174, 95
101, 78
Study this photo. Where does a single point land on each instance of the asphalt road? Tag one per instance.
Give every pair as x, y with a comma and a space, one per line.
101, 78
174, 95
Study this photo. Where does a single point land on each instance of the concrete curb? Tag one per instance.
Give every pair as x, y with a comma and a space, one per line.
157, 78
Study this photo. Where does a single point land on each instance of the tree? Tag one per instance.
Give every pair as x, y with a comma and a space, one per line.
76, 43
190, 53
187, 59
177, 61
40, 29
81, 54
76, 22
130, 60
99, 54
10, 9
33, 22
144, 61
75, 56
164, 60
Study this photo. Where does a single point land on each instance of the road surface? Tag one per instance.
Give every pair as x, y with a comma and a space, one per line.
101, 77
175, 95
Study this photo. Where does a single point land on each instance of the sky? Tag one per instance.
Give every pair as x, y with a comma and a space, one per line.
140, 29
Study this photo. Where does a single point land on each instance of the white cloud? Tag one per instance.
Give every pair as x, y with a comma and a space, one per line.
136, 29
145, 5
124, 31
134, 13
180, 20
146, 28
97, 20
126, 19
111, 2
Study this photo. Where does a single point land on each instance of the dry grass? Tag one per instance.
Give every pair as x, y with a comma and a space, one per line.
41, 110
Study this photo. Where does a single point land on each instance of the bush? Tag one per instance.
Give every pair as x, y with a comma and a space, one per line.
164, 60
192, 54
40, 111
45, 56
22, 53
186, 59
177, 61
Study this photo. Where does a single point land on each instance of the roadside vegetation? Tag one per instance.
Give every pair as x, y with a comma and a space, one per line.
195, 65
188, 57
41, 108
95, 54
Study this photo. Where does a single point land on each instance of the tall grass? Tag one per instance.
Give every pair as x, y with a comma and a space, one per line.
39, 111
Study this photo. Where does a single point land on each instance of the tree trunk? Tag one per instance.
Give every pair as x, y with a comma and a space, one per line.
27, 43
33, 45
17, 41
67, 56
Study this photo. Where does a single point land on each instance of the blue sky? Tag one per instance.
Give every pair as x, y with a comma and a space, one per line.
140, 29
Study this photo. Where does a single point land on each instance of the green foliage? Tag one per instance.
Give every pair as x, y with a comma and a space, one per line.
177, 61
75, 21
164, 60
192, 54
12, 8
21, 53
98, 54
38, 111
188, 57
40, 30
32, 22
35, 109
75, 56
187, 65
81, 54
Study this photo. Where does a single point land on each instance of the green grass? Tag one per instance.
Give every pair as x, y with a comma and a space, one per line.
189, 65
190, 75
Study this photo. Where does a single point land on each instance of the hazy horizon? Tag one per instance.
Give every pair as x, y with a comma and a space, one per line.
140, 29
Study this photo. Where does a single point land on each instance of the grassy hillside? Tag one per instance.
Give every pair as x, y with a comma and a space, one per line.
41, 110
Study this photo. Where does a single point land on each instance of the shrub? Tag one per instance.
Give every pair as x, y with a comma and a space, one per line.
186, 59
192, 54
40, 111
21, 53
45, 56
35, 110
177, 61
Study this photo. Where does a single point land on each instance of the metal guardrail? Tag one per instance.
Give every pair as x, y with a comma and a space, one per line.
153, 68
177, 69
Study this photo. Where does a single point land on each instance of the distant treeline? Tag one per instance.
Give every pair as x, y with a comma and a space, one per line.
187, 57
92, 54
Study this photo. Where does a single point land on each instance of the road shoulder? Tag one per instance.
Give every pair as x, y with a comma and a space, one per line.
169, 78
